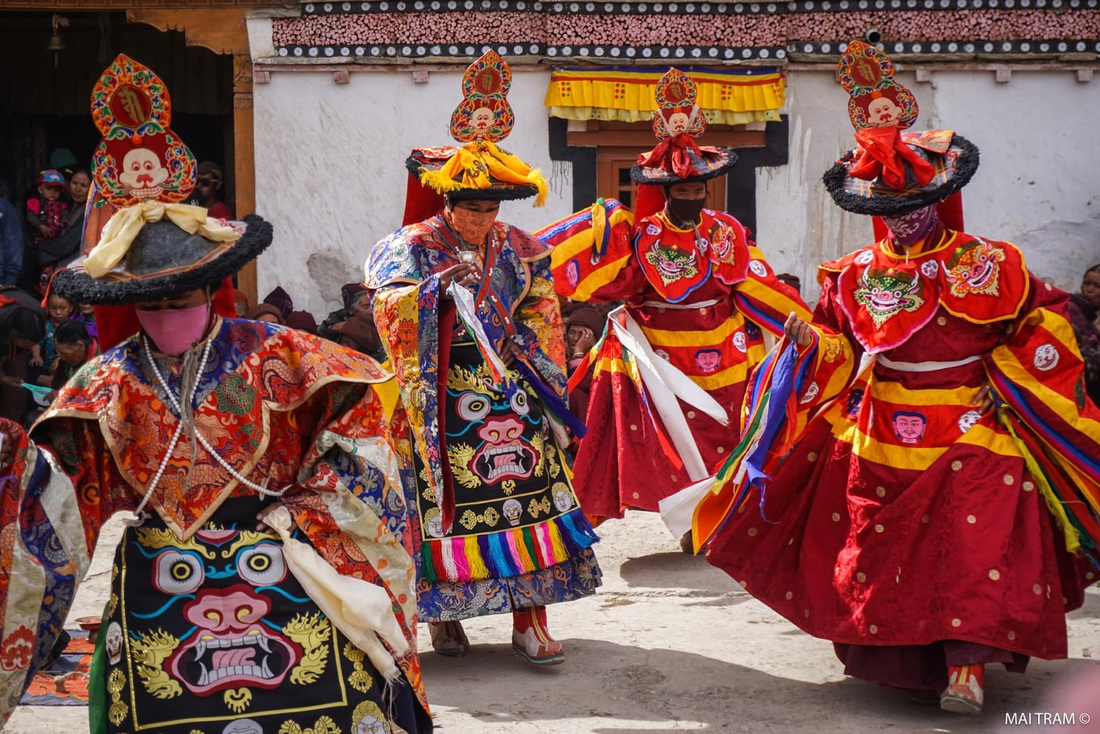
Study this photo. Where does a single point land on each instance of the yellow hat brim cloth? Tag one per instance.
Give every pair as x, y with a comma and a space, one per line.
123, 227
482, 166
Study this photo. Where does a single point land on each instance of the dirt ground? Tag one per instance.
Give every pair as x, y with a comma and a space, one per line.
672, 644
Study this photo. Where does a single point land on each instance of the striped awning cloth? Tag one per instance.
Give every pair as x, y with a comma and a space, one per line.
728, 96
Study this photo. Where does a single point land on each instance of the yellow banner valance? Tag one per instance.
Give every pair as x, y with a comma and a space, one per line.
732, 97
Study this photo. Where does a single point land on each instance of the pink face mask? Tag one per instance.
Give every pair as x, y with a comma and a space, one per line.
471, 225
174, 330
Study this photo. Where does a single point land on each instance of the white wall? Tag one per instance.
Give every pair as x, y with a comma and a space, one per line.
1038, 184
330, 168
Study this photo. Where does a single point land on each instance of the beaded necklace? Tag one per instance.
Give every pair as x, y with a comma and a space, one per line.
174, 400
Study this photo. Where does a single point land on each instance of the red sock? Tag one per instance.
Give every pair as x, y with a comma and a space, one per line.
963, 674
523, 619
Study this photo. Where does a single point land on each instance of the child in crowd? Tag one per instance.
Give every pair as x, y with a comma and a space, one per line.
44, 354
47, 212
85, 314
75, 346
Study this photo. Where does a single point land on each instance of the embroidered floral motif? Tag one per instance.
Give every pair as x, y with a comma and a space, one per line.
672, 264
235, 396
885, 293
974, 268
17, 649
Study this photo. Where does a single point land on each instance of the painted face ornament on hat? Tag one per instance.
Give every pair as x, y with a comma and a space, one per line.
678, 122
153, 247
479, 169
893, 171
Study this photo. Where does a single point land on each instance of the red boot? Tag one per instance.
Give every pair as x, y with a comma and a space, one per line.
531, 640
965, 692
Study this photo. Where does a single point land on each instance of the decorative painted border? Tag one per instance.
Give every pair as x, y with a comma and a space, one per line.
681, 8
933, 28
473, 50
935, 48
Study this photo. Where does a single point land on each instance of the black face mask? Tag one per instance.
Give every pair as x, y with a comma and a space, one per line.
686, 211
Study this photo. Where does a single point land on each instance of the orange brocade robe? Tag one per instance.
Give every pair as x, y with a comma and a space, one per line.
702, 306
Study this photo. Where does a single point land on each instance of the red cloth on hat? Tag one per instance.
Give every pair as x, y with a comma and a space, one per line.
671, 154
881, 154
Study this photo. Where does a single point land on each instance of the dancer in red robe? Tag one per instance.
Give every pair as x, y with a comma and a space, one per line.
920, 479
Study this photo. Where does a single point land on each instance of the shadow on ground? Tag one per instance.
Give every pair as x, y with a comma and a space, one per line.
667, 690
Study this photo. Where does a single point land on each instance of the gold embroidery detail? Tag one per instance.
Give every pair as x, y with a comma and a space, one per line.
150, 650
244, 539
118, 710
312, 632
461, 455
460, 379
368, 709
535, 506
471, 519
237, 700
112, 602
324, 725
538, 443
157, 538
508, 486
359, 679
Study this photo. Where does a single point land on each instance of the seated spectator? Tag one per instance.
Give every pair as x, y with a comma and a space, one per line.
21, 328
208, 191
44, 354
281, 300
359, 333
1084, 309
11, 238
265, 312
85, 314
302, 321
61, 250
356, 299
75, 346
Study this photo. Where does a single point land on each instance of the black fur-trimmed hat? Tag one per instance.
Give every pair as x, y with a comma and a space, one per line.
153, 246
165, 260
894, 170
708, 163
430, 160
954, 166
677, 123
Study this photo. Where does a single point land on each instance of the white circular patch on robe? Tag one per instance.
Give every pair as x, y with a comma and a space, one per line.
1046, 357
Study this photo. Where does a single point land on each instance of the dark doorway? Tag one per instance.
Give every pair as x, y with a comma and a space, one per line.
44, 102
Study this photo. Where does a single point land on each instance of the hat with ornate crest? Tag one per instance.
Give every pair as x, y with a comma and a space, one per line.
893, 170
479, 169
677, 122
154, 246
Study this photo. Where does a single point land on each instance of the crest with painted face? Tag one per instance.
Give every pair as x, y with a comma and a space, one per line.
139, 158
677, 113
484, 113
876, 99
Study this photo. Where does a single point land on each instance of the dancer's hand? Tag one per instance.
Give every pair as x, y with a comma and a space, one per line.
463, 274
984, 399
509, 351
798, 330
